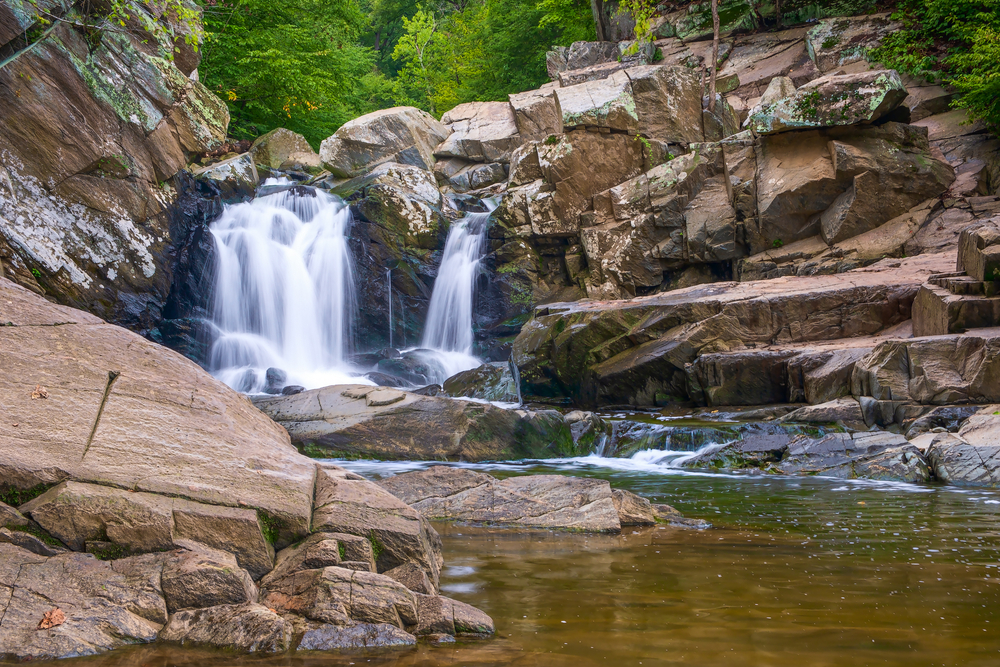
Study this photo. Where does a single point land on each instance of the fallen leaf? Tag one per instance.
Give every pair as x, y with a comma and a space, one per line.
52, 618
40, 392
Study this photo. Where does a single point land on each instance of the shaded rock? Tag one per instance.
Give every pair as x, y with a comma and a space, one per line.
543, 501
757, 451
248, 628
398, 533
670, 515
950, 418
10, 517
491, 381
844, 410
972, 457
321, 550
103, 610
755, 60
356, 636
441, 615
403, 199
931, 371
339, 421
480, 132
631, 351
235, 178
845, 99
34, 544
152, 400
632, 510
278, 146
204, 577
402, 134
524, 165
412, 577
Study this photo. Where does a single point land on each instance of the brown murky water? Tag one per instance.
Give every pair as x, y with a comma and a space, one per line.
796, 572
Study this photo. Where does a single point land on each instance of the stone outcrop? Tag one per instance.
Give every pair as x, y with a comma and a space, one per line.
533, 501
636, 351
480, 132
284, 150
491, 382
970, 457
402, 134
93, 217
352, 420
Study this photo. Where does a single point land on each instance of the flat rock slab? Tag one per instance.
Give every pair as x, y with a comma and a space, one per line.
351, 420
537, 501
122, 411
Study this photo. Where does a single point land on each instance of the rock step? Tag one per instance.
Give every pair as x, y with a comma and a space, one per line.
966, 285
938, 310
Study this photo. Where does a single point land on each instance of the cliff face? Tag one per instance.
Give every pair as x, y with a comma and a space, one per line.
92, 129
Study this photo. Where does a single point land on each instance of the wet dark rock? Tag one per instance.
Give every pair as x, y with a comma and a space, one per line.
274, 380
292, 389
949, 417
412, 369
491, 381
384, 379
429, 390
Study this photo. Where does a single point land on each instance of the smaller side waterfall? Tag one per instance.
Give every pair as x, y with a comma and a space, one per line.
448, 337
388, 284
284, 291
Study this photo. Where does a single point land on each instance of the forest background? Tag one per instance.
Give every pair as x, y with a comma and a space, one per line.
312, 65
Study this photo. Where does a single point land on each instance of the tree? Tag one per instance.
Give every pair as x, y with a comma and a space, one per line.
715, 55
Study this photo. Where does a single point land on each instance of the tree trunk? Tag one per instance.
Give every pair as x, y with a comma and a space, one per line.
715, 55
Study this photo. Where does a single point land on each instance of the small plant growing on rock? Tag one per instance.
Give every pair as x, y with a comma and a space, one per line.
777, 243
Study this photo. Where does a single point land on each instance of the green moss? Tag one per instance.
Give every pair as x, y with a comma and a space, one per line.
377, 547
271, 526
16, 497
777, 243
831, 42
551, 140
342, 550
111, 552
37, 532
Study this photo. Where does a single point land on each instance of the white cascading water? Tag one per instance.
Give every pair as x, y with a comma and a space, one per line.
448, 339
284, 290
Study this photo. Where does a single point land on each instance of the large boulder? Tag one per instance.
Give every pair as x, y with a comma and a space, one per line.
91, 217
667, 102
284, 149
247, 628
235, 178
540, 501
480, 132
352, 420
401, 134
635, 351
537, 114
120, 411
837, 42
835, 99
606, 103
972, 456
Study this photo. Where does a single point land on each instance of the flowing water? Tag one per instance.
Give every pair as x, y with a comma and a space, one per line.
794, 572
447, 345
284, 289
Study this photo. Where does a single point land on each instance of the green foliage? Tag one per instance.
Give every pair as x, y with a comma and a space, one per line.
342, 550
777, 243
15, 497
295, 64
37, 532
642, 12
377, 547
110, 551
36, 273
270, 526
956, 42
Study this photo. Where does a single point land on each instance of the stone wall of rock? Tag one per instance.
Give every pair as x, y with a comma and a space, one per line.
91, 135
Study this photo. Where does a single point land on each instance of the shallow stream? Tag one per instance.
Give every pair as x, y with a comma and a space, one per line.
795, 572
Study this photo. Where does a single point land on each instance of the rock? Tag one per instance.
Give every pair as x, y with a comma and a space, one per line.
587, 54
123, 428
321, 550
667, 102
604, 103
536, 114
491, 381
401, 198
979, 251
10, 517
76, 513
355, 636
844, 410
338, 595
555, 61
755, 60
274, 380
412, 577
402, 134
846, 99
203, 577
441, 615
398, 533
103, 610
279, 146
248, 628
93, 218
632, 510
931, 371
841, 182
480, 131
836, 42
542, 501
950, 418
236, 178
629, 352
34, 544
417, 427
524, 165
972, 457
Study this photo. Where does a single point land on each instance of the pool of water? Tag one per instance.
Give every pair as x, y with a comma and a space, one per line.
794, 572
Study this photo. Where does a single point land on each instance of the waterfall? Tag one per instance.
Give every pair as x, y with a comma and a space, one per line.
284, 290
448, 339
388, 283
